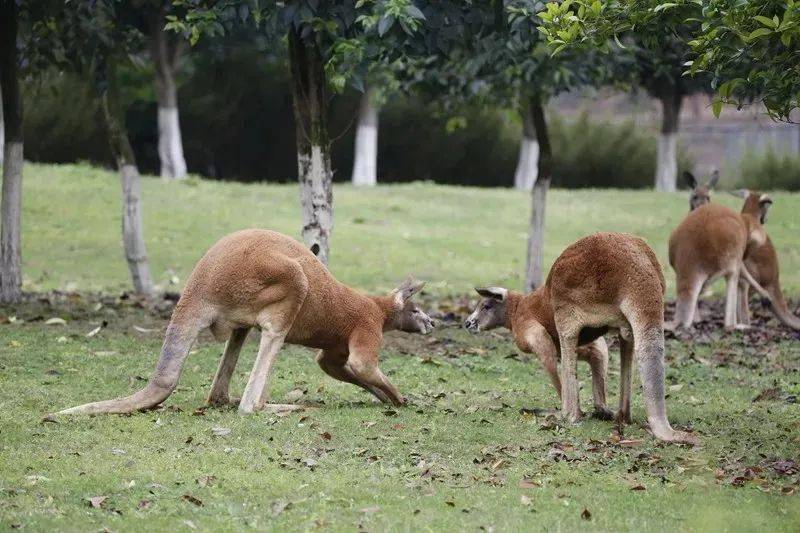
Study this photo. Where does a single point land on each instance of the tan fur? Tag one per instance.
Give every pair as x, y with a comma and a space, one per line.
700, 192
260, 278
711, 242
601, 282
762, 263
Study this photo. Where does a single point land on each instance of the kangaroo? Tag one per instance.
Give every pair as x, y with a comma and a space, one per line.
261, 278
601, 282
701, 194
761, 261
712, 241
531, 321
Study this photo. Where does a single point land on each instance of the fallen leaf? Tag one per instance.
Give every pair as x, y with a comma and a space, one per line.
294, 395
118, 451
144, 505
638, 487
97, 501
144, 330
772, 393
675, 388
220, 431
525, 499
94, 332
206, 481
55, 321
373, 509
278, 507
191, 499
326, 436
585, 514
630, 442
450, 503
189, 524
526, 483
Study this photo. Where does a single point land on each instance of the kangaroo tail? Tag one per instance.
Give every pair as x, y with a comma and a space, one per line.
781, 308
181, 334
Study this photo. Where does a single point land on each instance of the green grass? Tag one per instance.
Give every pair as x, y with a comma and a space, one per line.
455, 237
466, 454
454, 459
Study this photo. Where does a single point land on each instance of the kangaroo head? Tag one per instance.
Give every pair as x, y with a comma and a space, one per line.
490, 312
409, 317
756, 204
701, 193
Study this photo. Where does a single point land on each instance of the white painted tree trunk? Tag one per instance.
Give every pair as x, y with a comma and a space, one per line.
132, 232
527, 164
534, 273
667, 152
170, 144
667, 162
535, 255
365, 163
11, 209
165, 50
316, 200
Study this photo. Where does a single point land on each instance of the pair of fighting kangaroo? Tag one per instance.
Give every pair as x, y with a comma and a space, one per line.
714, 241
261, 278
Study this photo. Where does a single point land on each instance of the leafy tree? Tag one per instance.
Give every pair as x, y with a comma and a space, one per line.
651, 52
330, 45
92, 38
502, 59
749, 48
11, 204
752, 50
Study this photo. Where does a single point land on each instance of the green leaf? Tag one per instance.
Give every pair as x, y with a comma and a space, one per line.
385, 24
716, 107
768, 22
760, 32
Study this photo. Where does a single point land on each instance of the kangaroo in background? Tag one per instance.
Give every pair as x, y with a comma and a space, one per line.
701, 193
530, 319
710, 242
761, 261
601, 282
261, 278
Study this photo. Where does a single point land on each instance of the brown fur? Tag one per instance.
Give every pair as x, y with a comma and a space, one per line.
710, 242
601, 282
762, 263
700, 192
260, 278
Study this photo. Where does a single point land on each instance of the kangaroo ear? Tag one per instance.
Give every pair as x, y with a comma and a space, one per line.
407, 289
691, 181
714, 179
740, 193
495, 293
764, 203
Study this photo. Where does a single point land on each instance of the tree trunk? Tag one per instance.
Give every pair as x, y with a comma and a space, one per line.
313, 144
11, 203
667, 163
533, 269
527, 163
365, 163
166, 54
2, 128
132, 233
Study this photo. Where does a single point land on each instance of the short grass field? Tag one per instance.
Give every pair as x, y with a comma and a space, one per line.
477, 449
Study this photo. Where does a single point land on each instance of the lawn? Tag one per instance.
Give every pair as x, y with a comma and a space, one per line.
455, 237
475, 449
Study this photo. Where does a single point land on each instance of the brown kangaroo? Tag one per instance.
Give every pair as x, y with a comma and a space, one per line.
531, 321
261, 278
712, 241
701, 193
601, 282
761, 261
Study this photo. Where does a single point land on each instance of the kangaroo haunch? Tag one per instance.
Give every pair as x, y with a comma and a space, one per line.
601, 282
260, 278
